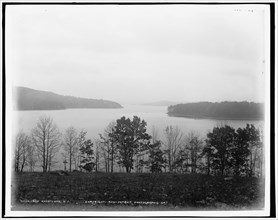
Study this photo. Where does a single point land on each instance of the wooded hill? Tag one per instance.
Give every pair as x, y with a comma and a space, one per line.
219, 110
31, 99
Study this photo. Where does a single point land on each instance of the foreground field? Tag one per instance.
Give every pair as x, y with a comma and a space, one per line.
99, 191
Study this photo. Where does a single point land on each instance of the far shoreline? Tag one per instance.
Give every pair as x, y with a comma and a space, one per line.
213, 118
60, 109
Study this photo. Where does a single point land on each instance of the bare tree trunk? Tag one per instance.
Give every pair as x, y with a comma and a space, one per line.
23, 163
251, 164
43, 160
70, 161
17, 163
108, 158
112, 156
47, 160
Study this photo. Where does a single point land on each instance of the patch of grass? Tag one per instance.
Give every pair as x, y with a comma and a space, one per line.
175, 190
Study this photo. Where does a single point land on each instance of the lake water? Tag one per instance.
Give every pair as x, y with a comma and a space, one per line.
94, 121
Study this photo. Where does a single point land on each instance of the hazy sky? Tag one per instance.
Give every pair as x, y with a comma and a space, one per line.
138, 54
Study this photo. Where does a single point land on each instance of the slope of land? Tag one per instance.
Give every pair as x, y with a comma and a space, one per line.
31, 99
221, 110
132, 189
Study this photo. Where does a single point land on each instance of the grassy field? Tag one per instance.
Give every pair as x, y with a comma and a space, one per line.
100, 191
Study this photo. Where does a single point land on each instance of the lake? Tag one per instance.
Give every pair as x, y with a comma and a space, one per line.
94, 121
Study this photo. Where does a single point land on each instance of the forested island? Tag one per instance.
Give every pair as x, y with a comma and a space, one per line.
219, 110
31, 99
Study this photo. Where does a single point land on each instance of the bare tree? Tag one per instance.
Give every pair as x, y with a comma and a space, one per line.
46, 139
97, 154
194, 146
70, 144
108, 147
173, 143
256, 149
103, 152
31, 156
21, 150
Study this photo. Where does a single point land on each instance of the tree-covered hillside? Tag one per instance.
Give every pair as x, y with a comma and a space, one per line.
30, 99
221, 110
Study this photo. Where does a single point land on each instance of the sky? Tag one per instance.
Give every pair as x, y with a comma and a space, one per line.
139, 53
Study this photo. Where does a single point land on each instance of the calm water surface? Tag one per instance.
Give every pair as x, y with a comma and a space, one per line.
94, 121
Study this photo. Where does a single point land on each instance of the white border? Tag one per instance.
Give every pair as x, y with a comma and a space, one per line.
248, 213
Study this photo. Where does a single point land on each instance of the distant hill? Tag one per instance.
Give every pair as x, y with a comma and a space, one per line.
31, 99
222, 110
161, 103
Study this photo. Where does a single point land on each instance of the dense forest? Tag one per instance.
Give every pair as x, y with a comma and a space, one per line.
221, 110
30, 99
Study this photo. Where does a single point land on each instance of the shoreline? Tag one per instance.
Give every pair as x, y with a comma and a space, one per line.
212, 118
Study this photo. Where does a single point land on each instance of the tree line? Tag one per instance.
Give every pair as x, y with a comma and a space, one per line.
221, 110
125, 146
